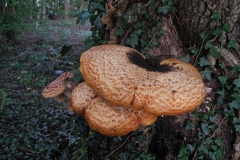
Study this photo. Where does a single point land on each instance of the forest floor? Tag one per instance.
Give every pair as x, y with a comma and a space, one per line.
32, 127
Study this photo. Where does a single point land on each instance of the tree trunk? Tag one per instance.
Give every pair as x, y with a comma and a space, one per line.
66, 7
44, 2
193, 17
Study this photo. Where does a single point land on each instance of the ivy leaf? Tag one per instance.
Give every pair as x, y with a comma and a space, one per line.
194, 51
204, 62
223, 79
164, 9
232, 44
207, 74
65, 50
202, 35
97, 6
213, 52
83, 16
226, 27
203, 149
185, 58
217, 31
219, 99
139, 31
215, 15
237, 128
205, 128
234, 104
133, 40
164, 1
221, 92
213, 118
218, 142
237, 82
155, 43
235, 121
236, 96
208, 45
222, 65
212, 155
119, 32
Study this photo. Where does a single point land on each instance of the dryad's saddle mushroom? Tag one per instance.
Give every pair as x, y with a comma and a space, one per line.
121, 91
121, 76
58, 88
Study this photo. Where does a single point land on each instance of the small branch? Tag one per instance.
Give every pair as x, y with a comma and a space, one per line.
119, 146
15, 57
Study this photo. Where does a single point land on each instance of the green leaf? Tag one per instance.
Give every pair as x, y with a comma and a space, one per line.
215, 15
232, 44
189, 125
205, 128
221, 92
236, 96
218, 142
226, 27
185, 58
223, 79
202, 35
184, 153
164, 9
97, 6
212, 155
235, 121
236, 82
164, 1
204, 62
194, 51
207, 74
213, 52
191, 147
119, 32
65, 50
132, 40
234, 104
219, 99
222, 65
83, 16
236, 68
139, 31
208, 45
213, 118
237, 128
203, 149
217, 31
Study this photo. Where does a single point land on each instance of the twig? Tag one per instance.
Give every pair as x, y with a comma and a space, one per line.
16, 57
119, 146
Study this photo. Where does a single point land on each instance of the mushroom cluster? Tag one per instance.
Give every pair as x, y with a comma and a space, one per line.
121, 91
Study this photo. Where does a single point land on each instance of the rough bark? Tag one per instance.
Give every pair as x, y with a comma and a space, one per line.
66, 6
193, 17
44, 2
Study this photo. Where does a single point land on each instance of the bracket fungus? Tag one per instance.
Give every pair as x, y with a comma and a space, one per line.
121, 76
107, 119
121, 91
58, 89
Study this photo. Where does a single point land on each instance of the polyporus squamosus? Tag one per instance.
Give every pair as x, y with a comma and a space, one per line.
121, 76
59, 88
121, 91
107, 119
